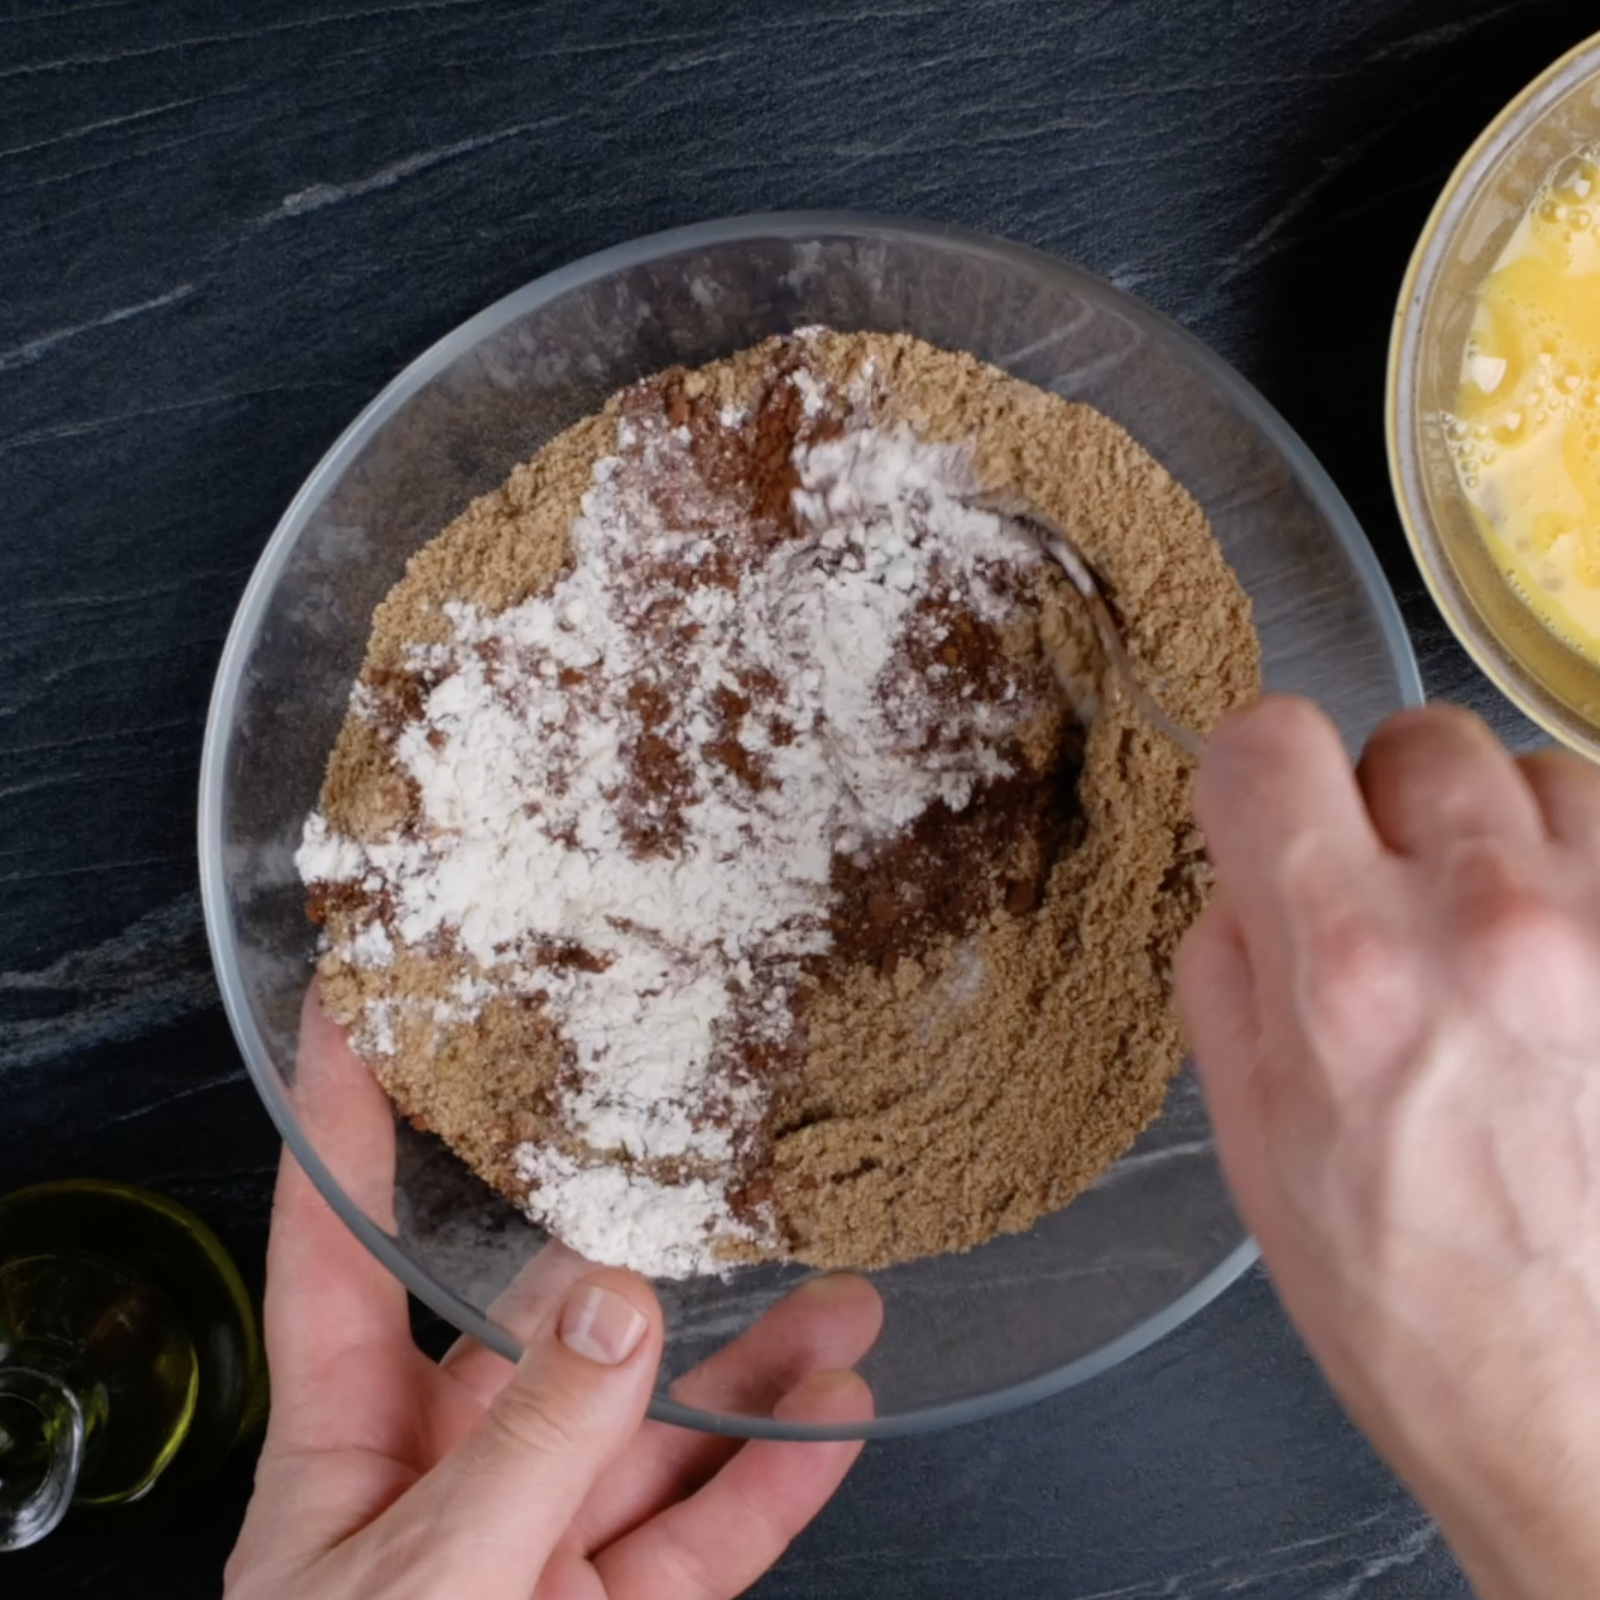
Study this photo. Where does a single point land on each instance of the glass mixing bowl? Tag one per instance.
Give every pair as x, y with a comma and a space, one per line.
963, 1336
1557, 115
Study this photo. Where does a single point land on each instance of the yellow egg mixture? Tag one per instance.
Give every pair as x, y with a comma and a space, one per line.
1526, 427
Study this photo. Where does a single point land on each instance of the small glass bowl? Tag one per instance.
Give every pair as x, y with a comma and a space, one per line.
963, 1336
1487, 196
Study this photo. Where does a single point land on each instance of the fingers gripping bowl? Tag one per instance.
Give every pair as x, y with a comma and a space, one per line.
962, 1335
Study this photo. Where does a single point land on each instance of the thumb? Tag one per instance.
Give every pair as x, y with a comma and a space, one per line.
485, 1520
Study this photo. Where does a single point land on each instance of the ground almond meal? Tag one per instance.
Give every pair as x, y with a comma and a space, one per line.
733, 850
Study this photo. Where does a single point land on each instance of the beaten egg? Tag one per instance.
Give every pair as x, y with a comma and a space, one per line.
1525, 430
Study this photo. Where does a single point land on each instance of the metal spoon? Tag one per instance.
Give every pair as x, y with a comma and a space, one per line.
1056, 544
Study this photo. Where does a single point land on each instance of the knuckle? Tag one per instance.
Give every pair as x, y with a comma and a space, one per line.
1273, 726
1509, 930
1570, 790
1390, 746
1431, 756
1350, 958
1284, 714
1438, 776
1562, 766
1425, 723
1415, 738
683, 1570
405, 1564
525, 1419
1528, 956
1356, 978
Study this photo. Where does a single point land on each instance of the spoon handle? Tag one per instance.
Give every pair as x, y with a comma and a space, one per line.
1054, 542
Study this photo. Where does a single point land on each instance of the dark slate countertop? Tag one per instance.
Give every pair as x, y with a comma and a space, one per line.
224, 226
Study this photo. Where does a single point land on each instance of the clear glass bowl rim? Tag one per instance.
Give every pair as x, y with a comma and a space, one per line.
790, 225
1428, 548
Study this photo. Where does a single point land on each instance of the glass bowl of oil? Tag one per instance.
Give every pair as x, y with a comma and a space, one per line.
1494, 400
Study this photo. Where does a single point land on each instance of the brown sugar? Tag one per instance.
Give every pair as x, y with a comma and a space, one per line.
983, 1021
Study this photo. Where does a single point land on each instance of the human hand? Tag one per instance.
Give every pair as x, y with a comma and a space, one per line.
1394, 1003
387, 1475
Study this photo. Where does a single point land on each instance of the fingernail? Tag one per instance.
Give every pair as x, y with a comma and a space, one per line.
601, 1325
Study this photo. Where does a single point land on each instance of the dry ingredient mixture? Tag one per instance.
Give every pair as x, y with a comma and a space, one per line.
730, 849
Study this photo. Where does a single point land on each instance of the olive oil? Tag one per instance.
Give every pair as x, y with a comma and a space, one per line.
129, 1352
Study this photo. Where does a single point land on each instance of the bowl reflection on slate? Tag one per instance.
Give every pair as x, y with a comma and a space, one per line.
963, 1336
